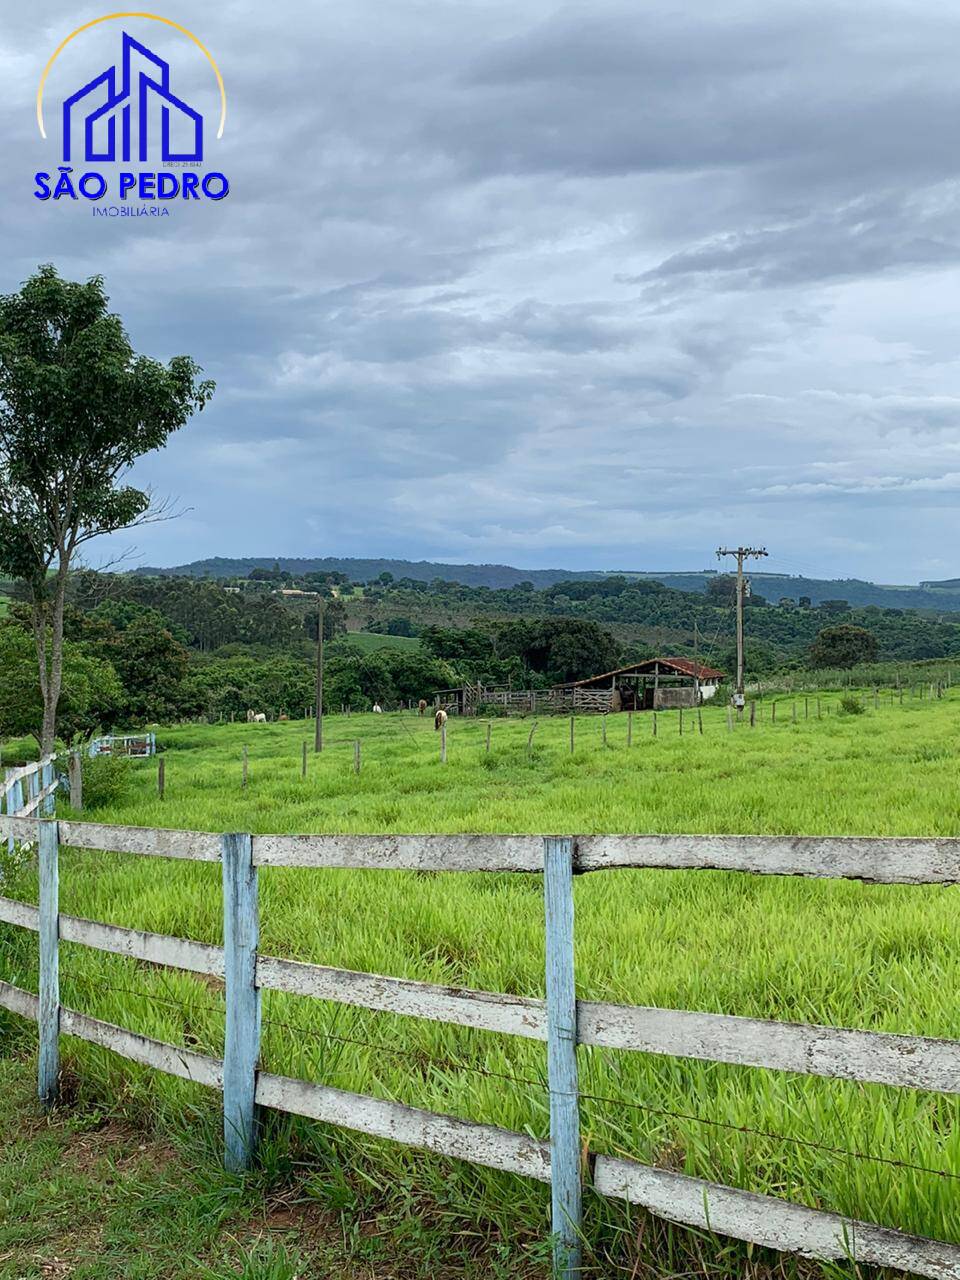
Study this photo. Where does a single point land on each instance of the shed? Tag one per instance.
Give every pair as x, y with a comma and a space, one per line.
649, 685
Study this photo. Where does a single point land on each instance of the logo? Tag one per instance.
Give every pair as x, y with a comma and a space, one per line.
119, 103
130, 113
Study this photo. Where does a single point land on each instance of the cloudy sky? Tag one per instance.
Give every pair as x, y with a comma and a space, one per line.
592, 285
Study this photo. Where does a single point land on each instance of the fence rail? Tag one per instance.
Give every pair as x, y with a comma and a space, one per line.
561, 1021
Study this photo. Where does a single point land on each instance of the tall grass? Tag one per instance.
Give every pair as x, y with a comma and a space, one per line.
878, 957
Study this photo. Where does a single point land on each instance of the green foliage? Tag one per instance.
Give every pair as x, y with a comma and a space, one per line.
843, 646
851, 705
77, 407
151, 665
92, 693
106, 780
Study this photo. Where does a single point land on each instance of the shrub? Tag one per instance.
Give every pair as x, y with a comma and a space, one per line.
851, 706
105, 780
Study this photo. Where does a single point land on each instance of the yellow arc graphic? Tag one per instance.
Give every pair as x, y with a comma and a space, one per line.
109, 17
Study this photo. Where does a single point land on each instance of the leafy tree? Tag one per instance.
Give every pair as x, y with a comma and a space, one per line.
843, 646
91, 695
722, 590
77, 407
151, 665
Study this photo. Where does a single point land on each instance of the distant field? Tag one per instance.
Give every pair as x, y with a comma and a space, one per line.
845, 954
370, 641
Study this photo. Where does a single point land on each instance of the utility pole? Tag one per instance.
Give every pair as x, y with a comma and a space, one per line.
741, 554
318, 733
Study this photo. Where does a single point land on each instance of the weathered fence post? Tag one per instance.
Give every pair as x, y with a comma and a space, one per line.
562, 1057
356, 756
654, 724
245, 768
161, 777
629, 728
47, 775
303, 762
488, 737
571, 735
48, 1062
681, 722
753, 715
443, 744
603, 728
75, 774
773, 712
241, 935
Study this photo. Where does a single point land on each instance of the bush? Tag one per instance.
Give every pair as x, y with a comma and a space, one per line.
105, 780
851, 706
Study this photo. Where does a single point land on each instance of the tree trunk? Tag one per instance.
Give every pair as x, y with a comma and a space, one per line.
50, 654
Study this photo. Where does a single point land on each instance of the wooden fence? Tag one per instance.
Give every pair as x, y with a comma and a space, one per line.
561, 1021
29, 788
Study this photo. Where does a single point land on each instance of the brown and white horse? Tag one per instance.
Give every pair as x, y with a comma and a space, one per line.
440, 719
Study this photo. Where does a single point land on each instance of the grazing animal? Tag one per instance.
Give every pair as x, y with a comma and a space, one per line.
440, 719
283, 716
250, 715
259, 718
421, 706
378, 709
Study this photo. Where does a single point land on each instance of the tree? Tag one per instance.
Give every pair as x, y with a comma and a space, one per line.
151, 665
77, 407
92, 692
722, 590
843, 646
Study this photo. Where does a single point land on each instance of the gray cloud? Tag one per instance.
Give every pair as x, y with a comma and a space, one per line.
592, 285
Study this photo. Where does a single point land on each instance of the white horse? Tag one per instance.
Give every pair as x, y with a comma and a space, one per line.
440, 719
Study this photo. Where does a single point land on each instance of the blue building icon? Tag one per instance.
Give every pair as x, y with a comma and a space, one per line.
152, 89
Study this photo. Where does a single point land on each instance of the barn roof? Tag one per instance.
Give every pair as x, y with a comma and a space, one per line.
678, 666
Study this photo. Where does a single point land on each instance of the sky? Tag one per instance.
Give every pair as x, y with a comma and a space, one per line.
597, 285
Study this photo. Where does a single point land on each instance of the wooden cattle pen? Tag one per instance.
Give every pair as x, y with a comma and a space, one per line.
655, 684
561, 1021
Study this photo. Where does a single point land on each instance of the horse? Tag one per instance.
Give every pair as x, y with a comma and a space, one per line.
256, 717
421, 706
440, 719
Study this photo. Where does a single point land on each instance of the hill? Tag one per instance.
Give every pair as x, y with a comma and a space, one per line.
360, 570
940, 597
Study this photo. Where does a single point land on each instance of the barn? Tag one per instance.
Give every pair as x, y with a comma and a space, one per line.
652, 684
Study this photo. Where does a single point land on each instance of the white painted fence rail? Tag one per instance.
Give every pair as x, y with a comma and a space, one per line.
842, 1053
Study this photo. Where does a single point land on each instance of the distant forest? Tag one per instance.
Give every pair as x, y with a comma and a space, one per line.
943, 596
160, 647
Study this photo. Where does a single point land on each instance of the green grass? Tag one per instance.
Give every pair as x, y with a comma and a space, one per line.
878, 957
84, 1196
371, 641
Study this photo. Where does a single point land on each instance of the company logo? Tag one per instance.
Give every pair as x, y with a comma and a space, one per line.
124, 115
137, 88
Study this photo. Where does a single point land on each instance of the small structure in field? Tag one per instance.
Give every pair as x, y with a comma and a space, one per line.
654, 684
650, 685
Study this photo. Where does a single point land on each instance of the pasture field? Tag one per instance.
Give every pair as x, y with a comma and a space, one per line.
371, 641
846, 954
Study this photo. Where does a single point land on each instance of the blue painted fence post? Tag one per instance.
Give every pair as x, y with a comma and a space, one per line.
48, 1070
50, 803
241, 935
562, 1058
